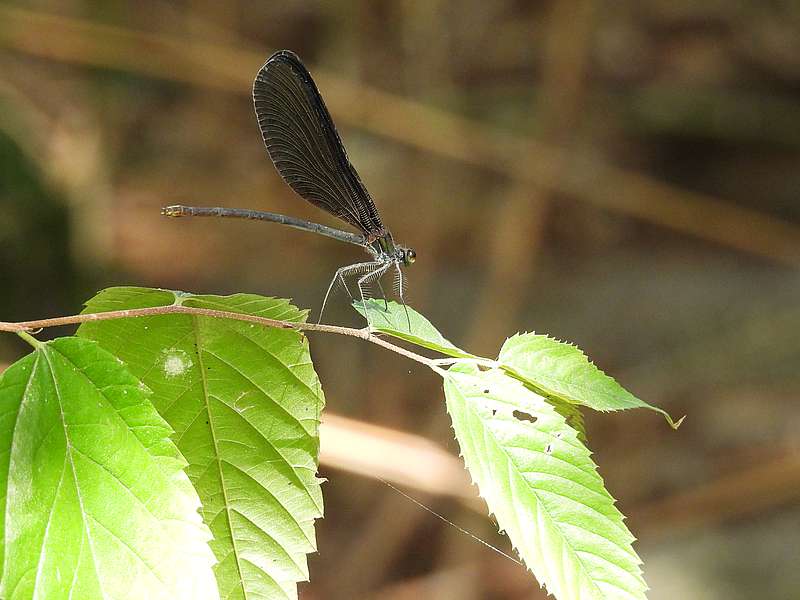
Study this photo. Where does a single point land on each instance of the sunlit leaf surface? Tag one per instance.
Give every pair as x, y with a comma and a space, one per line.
95, 502
560, 370
391, 318
541, 484
245, 403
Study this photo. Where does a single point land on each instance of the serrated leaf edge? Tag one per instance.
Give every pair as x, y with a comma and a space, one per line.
540, 510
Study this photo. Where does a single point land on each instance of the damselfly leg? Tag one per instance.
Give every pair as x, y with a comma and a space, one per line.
340, 277
400, 284
376, 274
383, 295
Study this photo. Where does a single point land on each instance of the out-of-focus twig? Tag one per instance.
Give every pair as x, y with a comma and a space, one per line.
524, 209
69, 154
454, 582
586, 178
766, 336
24, 122
751, 490
400, 458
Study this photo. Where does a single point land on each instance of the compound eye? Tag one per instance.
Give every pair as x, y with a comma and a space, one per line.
411, 256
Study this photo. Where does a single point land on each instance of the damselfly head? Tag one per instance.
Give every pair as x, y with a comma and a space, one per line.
409, 256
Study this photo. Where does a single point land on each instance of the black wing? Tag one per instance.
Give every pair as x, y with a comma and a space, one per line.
304, 145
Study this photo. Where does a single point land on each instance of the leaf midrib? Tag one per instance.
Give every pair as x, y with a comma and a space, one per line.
579, 371
196, 327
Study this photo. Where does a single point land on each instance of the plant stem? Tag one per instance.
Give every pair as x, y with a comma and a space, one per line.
29, 338
22, 327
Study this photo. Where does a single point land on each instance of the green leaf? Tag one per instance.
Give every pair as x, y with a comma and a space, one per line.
393, 320
541, 484
572, 415
558, 370
245, 403
95, 501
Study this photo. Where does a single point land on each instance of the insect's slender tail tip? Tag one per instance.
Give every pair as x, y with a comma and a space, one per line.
175, 210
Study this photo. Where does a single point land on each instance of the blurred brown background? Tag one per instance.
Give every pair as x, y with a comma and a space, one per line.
622, 174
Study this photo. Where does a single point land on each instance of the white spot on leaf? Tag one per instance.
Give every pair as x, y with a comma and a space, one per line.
176, 363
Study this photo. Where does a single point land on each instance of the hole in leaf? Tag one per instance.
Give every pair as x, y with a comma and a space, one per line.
523, 416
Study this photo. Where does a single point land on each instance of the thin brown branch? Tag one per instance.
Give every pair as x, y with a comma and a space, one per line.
364, 334
585, 178
751, 490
